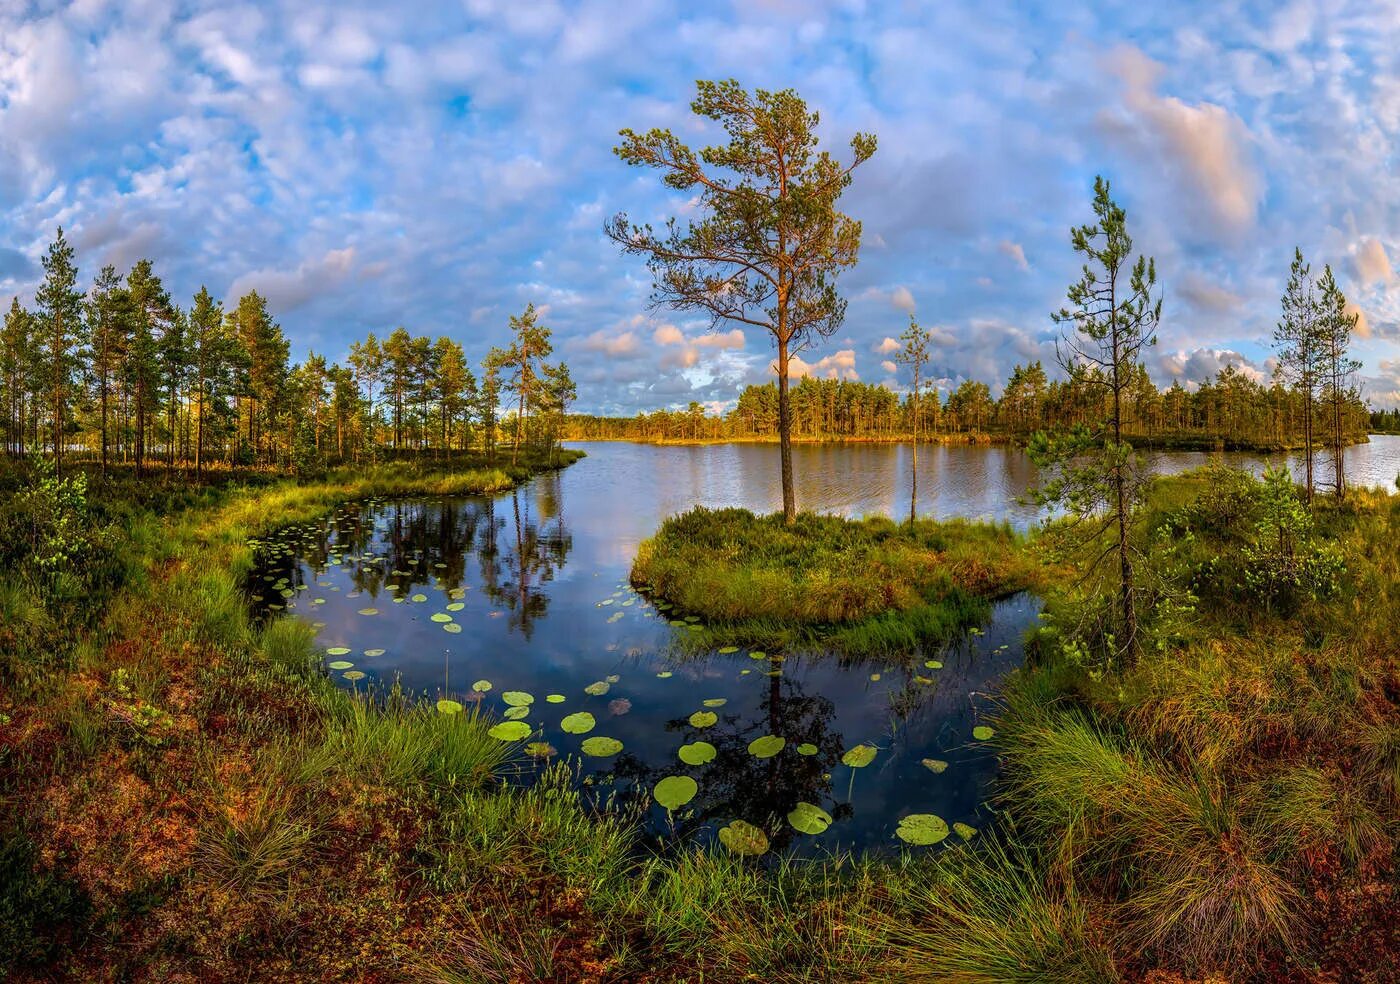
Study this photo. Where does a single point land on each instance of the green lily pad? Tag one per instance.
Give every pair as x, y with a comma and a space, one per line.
369, 611
965, 831
481, 686
874, 678
674, 792
338, 651
697, 753
555, 698
703, 719
612, 678
767, 746
982, 732
808, 818
420, 598
806, 748
374, 652
758, 654
664, 675
456, 606
452, 627
744, 838
933, 664
600, 747
859, 757
353, 675
516, 713
440, 617
340, 664
449, 707
579, 723
598, 688
726, 650
510, 731
518, 698
921, 829
715, 702
935, 766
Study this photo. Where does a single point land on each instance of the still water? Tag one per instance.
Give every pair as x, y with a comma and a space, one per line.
526, 593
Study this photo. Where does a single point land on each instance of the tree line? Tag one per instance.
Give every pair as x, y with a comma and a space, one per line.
1232, 409
121, 373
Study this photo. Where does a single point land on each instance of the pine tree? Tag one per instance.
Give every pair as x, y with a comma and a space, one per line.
1300, 350
213, 357
521, 364
109, 328
152, 313
17, 373
60, 324
915, 355
1093, 472
1335, 326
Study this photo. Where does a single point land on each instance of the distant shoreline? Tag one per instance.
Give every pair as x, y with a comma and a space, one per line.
1165, 442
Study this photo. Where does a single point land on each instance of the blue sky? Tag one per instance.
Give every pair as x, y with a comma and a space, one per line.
440, 165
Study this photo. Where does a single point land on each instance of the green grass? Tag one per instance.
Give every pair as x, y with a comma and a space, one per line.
865, 587
189, 783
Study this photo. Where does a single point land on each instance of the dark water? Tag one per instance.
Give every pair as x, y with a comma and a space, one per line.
536, 581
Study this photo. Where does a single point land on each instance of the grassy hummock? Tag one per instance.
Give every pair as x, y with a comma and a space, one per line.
863, 586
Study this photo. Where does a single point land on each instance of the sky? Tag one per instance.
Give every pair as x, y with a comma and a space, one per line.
441, 165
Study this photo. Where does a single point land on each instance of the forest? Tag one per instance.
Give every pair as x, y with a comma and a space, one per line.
123, 375
1232, 411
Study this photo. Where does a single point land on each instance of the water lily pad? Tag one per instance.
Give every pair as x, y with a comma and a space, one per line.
516, 713
510, 731
457, 593
935, 766
674, 792
374, 652
338, 651
715, 702
921, 829
452, 627
726, 650
353, 675
456, 606
874, 678
440, 617
481, 686
767, 746
742, 837
664, 675
579, 723
758, 654
808, 818
340, 664
612, 678
420, 598
597, 688
982, 732
806, 748
600, 747
697, 753
933, 664
449, 707
555, 698
369, 611
859, 757
518, 698
965, 831
703, 719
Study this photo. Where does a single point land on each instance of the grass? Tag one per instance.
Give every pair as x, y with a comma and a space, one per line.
867, 587
185, 795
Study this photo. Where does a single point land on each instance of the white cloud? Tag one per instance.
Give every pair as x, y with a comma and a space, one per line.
288, 290
889, 367
838, 365
887, 345
1013, 250
1372, 264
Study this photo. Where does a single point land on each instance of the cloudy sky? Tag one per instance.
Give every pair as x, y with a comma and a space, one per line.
440, 165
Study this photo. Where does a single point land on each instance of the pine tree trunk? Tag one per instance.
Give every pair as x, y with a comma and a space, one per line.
785, 433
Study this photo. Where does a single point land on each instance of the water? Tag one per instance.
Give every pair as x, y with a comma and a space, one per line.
540, 575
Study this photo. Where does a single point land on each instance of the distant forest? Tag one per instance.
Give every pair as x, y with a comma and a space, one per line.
1230, 409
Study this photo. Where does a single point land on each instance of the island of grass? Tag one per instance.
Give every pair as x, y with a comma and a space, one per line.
864, 587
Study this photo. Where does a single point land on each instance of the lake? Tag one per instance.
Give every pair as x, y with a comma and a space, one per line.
519, 604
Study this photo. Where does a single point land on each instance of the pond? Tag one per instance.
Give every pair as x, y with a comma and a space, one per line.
519, 604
